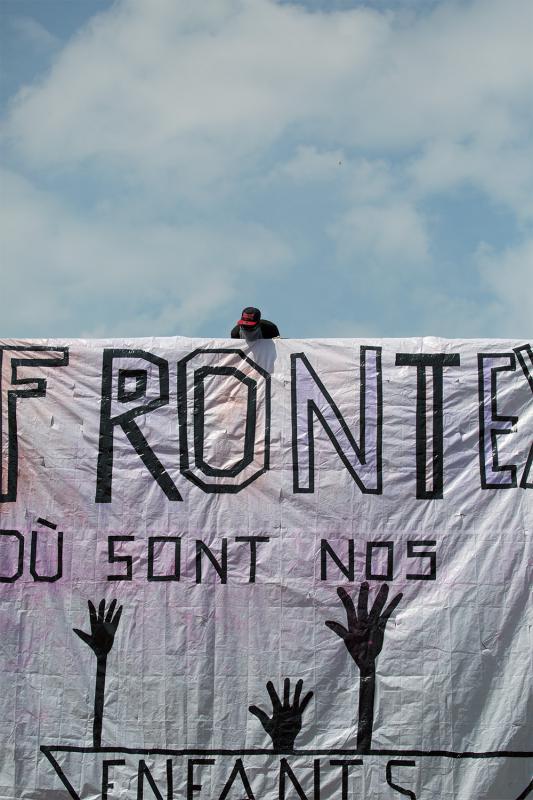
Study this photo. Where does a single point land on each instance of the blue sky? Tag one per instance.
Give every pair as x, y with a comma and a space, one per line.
354, 169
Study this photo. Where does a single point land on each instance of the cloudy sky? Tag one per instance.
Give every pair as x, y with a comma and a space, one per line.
353, 168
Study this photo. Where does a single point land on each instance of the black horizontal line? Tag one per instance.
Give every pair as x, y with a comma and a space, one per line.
42, 521
154, 751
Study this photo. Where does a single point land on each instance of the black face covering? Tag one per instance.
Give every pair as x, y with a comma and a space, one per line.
250, 335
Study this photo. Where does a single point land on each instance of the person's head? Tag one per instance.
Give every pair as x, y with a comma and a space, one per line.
250, 319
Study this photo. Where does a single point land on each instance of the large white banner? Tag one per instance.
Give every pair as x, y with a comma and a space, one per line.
291, 569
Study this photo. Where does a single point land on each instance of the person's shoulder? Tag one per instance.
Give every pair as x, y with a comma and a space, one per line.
269, 328
235, 332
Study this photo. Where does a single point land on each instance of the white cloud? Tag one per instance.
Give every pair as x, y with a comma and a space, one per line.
92, 272
167, 84
380, 226
195, 97
509, 276
198, 106
311, 164
390, 234
193, 88
504, 174
200, 91
359, 179
33, 33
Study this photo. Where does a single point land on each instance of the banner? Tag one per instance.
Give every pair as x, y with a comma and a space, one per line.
277, 570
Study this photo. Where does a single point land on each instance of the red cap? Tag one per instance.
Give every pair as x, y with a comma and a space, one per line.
250, 317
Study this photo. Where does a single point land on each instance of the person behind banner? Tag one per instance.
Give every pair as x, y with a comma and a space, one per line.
251, 327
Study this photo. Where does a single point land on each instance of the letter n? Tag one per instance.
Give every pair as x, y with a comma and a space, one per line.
312, 403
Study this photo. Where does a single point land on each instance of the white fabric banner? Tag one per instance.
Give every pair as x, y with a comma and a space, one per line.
290, 569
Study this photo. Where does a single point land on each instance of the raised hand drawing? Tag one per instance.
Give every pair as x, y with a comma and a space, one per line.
100, 640
286, 721
363, 639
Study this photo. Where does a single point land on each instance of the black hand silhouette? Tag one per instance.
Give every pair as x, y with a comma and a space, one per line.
286, 721
364, 639
100, 640
103, 628
364, 636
